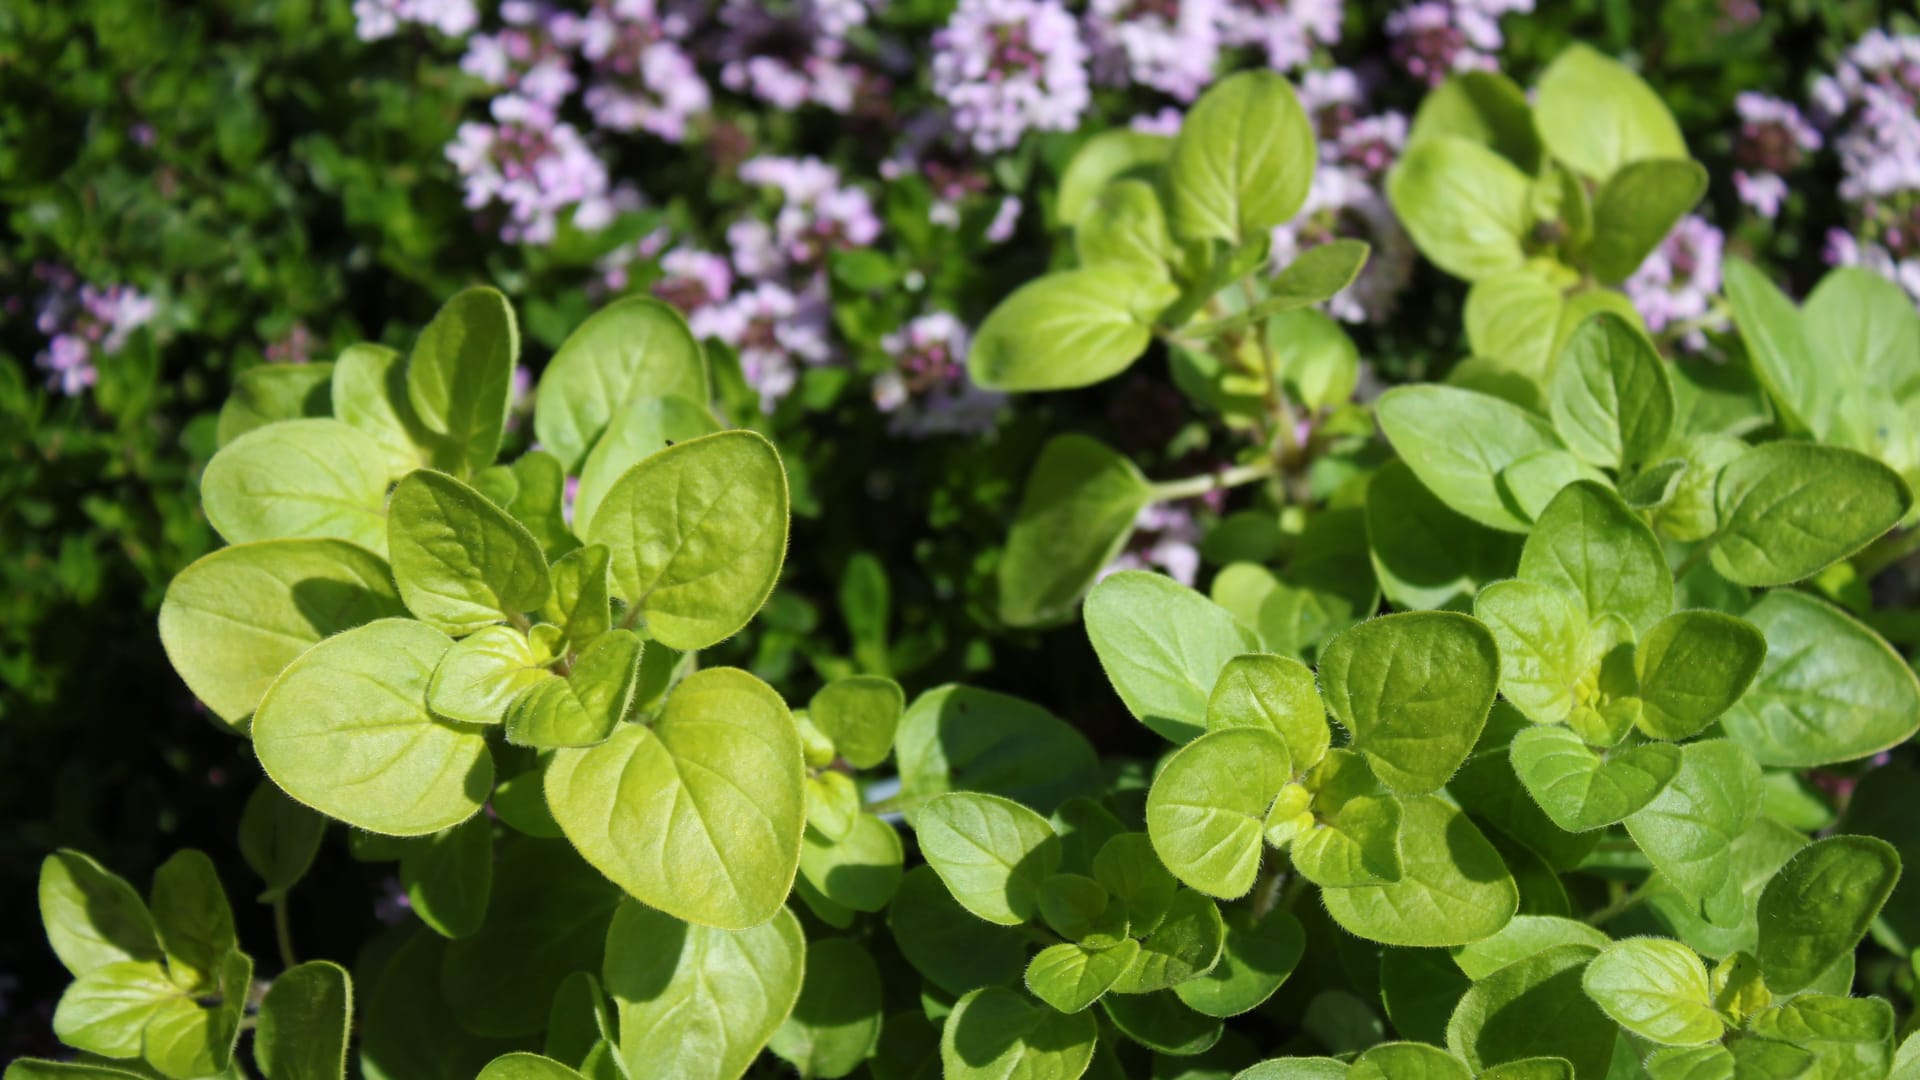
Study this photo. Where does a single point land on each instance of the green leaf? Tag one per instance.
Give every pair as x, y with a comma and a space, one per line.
1689, 829
1542, 644
1692, 667
460, 378
1357, 844
481, 675
1159, 1021
1318, 363
994, 1033
186, 1039
1597, 116
697, 995
1612, 400
299, 478
634, 348
1818, 906
1424, 554
859, 713
449, 875
524, 1066
1075, 515
1130, 871
36, 1069
1243, 160
278, 838
1486, 107
272, 392
643, 428
546, 919
1588, 543
369, 394
1257, 958
579, 604
1458, 442
960, 738
835, 1025
1530, 483
1830, 689
1163, 646
1778, 343
234, 619
1102, 159
92, 916
1465, 206
1788, 510
1525, 936
1408, 1061
106, 1009
1273, 693
1847, 1036
1187, 944
192, 919
1636, 208
460, 561
346, 731
945, 944
992, 853
699, 815
539, 502
1319, 274
698, 566
1413, 690
1581, 789
1126, 228
304, 1022
1534, 1008
1069, 976
860, 870
1656, 989
583, 708
1453, 886
1068, 329
1207, 808
408, 1032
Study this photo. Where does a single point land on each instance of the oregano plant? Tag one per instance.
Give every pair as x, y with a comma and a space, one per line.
1485, 752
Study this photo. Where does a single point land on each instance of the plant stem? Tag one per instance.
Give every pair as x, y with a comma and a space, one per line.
1194, 486
283, 930
1619, 907
1695, 557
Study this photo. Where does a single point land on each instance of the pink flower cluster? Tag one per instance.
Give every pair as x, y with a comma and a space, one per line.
1774, 141
1007, 67
793, 57
1872, 101
533, 172
1346, 200
84, 325
377, 19
1166, 537
1433, 39
1288, 31
1675, 287
927, 392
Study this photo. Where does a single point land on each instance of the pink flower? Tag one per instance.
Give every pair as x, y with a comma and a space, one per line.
1678, 281
1169, 45
927, 392
1006, 67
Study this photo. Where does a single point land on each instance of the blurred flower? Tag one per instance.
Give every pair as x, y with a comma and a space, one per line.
692, 279
1169, 45
642, 79
1005, 220
1674, 288
84, 324
1287, 30
1774, 141
1165, 122
1436, 38
377, 19
775, 331
1873, 99
1006, 67
927, 392
534, 169
792, 54
392, 905
1165, 537
295, 347
817, 215
528, 56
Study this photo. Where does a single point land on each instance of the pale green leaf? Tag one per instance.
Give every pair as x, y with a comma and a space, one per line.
639, 430
1075, 514
637, 347
460, 378
460, 561
1458, 442
1581, 788
1656, 989
1067, 329
1413, 690
1788, 510
1243, 160
299, 478
1207, 808
992, 853
1163, 646
996, 1034
1597, 116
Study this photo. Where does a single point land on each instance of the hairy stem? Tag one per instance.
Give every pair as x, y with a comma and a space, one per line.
1194, 486
1621, 906
283, 931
